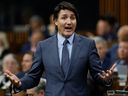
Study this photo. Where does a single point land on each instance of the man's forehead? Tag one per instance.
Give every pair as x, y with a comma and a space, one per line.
66, 11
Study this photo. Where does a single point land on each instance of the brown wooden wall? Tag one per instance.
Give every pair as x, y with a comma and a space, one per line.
117, 8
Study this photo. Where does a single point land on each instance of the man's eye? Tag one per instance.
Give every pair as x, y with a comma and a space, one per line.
63, 18
73, 18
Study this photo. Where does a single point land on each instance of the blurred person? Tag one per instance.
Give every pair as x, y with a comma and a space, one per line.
9, 63
27, 61
102, 48
121, 65
40, 89
4, 48
122, 35
26, 66
35, 23
106, 28
66, 74
123, 50
51, 29
32, 44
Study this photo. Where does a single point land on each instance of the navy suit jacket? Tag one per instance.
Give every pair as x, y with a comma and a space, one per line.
84, 57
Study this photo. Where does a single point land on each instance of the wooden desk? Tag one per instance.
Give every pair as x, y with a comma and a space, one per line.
2, 93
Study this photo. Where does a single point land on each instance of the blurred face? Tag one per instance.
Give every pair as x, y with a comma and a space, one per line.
11, 65
123, 50
66, 23
102, 50
36, 37
102, 28
35, 24
26, 62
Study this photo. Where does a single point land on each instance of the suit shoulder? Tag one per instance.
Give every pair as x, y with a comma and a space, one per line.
48, 40
83, 38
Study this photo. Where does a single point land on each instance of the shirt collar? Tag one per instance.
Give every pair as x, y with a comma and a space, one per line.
61, 38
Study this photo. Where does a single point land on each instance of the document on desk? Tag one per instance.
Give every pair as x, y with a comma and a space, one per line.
122, 74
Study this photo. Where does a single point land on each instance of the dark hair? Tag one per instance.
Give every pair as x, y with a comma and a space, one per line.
30, 53
108, 18
37, 18
64, 5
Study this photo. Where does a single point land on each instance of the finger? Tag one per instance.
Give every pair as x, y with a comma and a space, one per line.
107, 75
113, 67
103, 73
11, 78
8, 76
15, 82
109, 72
8, 72
101, 76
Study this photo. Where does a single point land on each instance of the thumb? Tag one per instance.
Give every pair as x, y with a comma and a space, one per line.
8, 72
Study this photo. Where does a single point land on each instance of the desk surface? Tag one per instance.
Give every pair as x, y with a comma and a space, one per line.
117, 93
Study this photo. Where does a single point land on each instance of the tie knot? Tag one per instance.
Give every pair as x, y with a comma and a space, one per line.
65, 42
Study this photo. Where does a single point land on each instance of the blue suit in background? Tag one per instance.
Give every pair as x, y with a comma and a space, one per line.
84, 57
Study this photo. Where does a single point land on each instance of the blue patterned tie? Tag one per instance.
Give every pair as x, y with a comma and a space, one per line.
65, 57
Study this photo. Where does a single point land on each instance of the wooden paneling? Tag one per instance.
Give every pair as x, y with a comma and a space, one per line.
117, 8
16, 40
124, 11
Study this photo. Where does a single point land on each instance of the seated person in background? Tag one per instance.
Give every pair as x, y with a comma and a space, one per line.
122, 36
51, 29
27, 61
40, 89
4, 48
35, 23
106, 27
25, 66
102, 48
122, 64
9, 62
32, 44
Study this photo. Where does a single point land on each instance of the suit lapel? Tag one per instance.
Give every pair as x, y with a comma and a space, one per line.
55, 53
75, 52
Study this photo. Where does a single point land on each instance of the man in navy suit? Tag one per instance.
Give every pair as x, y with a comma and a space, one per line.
69, 80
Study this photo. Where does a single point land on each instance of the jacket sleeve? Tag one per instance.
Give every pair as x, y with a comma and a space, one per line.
95, 65
32, 78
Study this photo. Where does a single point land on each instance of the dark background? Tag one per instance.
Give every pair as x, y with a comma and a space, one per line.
18, 12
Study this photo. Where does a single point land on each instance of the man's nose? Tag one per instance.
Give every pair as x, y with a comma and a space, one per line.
68, 21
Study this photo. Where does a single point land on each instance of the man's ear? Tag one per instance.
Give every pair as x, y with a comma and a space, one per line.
56, 22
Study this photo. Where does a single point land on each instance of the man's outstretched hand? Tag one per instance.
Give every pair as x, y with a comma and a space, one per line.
107, 75
13, 78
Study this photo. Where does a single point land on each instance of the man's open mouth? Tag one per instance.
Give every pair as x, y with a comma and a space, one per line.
68, 29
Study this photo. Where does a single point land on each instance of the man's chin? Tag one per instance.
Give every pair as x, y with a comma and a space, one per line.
67, 34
